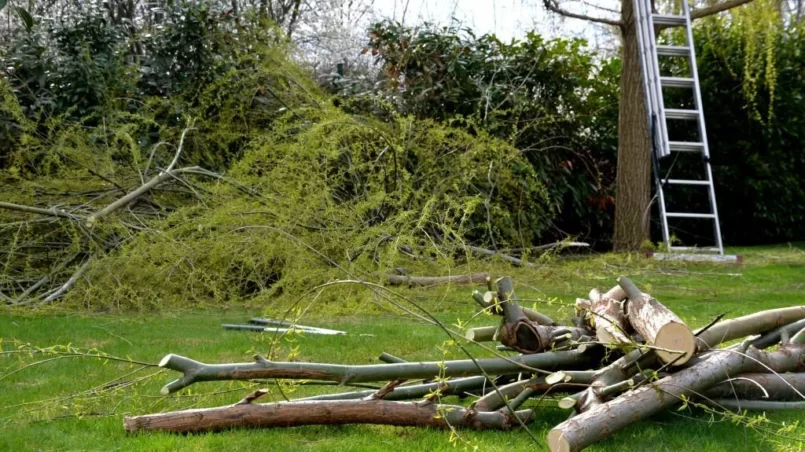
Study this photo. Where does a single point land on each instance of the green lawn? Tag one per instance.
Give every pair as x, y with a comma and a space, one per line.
37, 411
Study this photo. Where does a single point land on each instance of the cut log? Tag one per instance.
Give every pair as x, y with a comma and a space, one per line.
609, 317
673, 340
195, 371
748, 325
332, 412
603, 420
399, 280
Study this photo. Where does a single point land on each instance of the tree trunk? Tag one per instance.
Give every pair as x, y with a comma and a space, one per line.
633, 183
332, 412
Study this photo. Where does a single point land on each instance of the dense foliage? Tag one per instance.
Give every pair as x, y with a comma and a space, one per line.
293, 191
550, 99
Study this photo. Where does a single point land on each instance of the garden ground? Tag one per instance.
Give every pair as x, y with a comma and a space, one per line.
67, 403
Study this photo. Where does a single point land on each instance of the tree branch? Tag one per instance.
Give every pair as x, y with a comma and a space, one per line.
717, 8
553, 6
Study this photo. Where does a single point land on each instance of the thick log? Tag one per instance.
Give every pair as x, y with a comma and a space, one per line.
332, 412
774, 336
756, 386
673, 340
195, 371
609, 317
603, 420
748, 325
399, 280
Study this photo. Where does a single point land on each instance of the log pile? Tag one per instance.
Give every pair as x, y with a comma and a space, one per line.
625, 357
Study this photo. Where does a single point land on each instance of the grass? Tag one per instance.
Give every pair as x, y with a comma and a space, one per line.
36, 412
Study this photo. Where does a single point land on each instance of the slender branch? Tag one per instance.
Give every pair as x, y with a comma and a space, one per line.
398, 280
29, 209
144, 188
753, 405
514, 260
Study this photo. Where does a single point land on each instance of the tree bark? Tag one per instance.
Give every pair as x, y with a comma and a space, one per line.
660, 327
195, 371
333, 412
633, 181
755, 386
603, 420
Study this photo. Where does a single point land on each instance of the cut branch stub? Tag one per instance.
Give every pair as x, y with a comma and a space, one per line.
672, 339
522, 334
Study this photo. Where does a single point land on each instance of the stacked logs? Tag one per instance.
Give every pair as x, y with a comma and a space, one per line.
625, 357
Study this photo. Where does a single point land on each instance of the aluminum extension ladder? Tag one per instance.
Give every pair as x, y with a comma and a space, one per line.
658, 116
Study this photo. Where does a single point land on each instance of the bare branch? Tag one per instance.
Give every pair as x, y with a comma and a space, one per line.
52, 211
553, 5
717, 8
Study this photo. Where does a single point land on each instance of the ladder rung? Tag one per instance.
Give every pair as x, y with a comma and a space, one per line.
667, 19
676, 82
688, 182
693, 248
689, 215
673, 50
674, 113
685, 146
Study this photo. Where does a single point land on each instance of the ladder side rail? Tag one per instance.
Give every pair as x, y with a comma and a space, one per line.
664, 149
702, 127
651, 93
